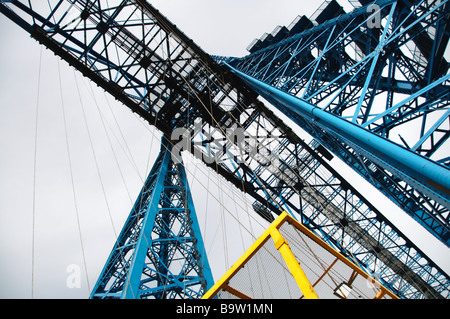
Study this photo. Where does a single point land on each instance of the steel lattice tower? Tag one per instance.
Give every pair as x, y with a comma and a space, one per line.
324, 73
160, 252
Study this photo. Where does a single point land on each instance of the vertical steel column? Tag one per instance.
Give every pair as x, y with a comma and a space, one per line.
160, 251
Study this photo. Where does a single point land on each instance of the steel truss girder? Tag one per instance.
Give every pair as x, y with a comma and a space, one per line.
134, 53
160, 234
298, 179
381, 79
380, 151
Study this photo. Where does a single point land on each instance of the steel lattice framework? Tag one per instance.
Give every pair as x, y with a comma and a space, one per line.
133, 52
159, 253
379, 69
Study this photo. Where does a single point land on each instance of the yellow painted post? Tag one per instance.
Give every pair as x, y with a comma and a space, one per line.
302, 281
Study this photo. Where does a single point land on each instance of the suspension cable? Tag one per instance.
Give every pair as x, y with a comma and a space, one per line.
34, 174
71, 175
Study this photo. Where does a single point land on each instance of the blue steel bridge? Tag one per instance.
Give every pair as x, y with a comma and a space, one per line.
371, 85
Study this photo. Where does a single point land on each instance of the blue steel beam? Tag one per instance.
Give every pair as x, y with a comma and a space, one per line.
144, 242
345, 69
144, 262
286, 56
428, 176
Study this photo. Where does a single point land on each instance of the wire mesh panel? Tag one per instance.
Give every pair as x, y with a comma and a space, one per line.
266, 270
265, 276
331, 275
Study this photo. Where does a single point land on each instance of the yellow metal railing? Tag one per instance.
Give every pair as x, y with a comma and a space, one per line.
332, 273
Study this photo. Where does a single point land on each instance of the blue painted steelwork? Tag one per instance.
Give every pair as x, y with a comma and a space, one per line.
160, 252
133, 52
375, 82
428, 176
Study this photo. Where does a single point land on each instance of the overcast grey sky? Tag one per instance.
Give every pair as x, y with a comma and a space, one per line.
123, 157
